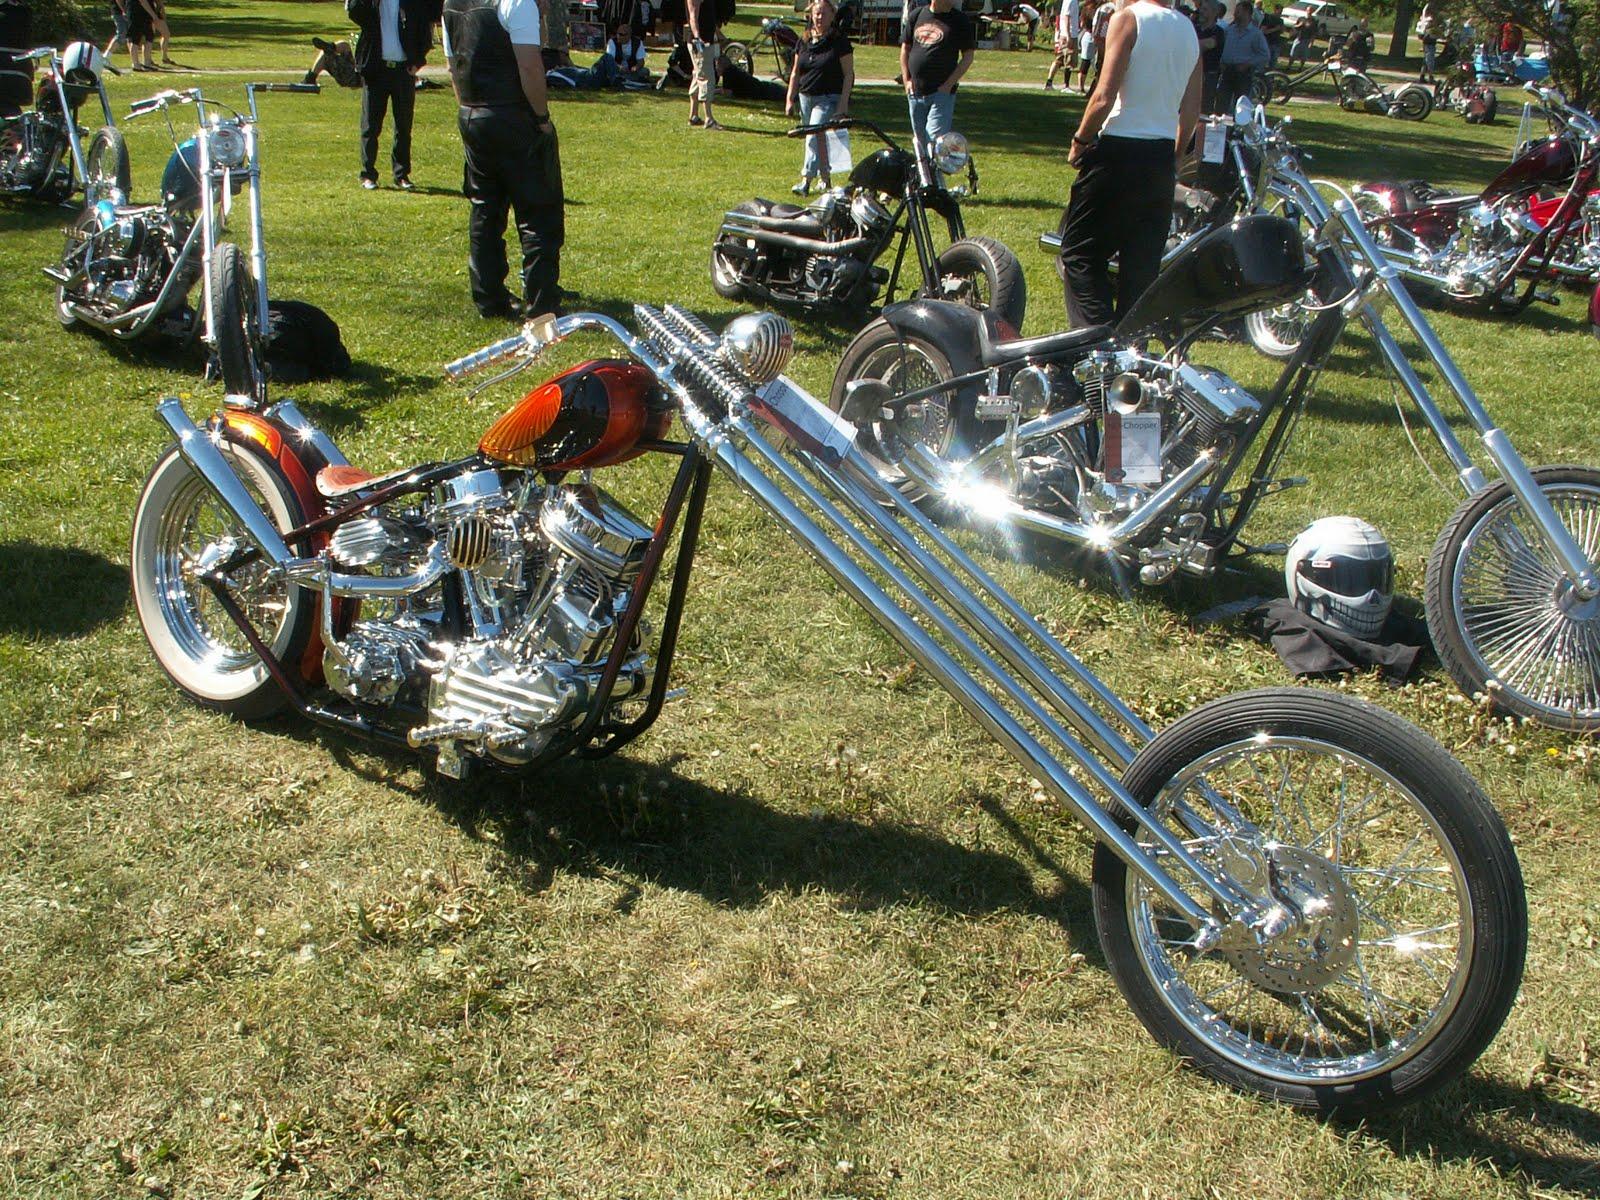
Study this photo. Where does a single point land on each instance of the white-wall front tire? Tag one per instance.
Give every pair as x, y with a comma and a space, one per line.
193, 640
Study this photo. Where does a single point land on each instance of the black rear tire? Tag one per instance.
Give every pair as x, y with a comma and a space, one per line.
983, 273
904, 362
234, 324
1325, 736
106, 166
1413, 103
1278, 87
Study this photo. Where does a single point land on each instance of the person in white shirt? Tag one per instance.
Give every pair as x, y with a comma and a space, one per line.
1068, 27
393, 45
1028, 17
1145, 105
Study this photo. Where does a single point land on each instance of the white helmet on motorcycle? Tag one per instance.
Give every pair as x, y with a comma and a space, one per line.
1341, 572
82, 62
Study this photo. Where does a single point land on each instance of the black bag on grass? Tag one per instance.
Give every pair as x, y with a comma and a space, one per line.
304, 343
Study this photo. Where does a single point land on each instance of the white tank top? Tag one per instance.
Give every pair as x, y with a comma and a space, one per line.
1164, 54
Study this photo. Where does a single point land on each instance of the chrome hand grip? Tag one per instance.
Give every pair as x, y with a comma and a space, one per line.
487, 357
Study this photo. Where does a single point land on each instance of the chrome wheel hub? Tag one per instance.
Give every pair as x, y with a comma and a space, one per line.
1318, 942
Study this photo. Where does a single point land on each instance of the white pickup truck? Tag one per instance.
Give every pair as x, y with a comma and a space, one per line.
1329, 20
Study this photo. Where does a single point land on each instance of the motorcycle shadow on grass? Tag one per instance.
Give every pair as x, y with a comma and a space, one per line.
58, 591
1466, 1124
638, 823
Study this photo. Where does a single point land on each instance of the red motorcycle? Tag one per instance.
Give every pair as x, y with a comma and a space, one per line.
1536, 220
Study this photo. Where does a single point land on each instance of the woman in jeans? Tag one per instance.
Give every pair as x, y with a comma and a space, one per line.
823, 74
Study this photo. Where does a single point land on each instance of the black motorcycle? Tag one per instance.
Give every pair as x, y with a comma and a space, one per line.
41, 149
825, 255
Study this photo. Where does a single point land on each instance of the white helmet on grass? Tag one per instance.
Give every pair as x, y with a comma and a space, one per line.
1341, 572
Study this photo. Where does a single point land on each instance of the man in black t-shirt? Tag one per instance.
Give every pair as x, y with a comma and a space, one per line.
936, 50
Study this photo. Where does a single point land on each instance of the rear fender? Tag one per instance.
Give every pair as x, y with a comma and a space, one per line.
298, 461
951, 327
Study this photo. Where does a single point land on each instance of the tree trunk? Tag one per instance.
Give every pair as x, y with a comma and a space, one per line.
1402, 28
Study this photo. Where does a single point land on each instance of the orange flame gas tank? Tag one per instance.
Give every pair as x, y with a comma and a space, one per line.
591, 416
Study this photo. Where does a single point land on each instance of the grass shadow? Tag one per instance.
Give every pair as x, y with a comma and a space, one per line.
58, 591
1442, 1129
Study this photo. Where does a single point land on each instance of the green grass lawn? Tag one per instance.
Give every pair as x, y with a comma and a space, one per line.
813, 936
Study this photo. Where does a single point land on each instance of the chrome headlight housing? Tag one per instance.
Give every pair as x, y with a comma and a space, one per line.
225, 145
869, 215
950, 153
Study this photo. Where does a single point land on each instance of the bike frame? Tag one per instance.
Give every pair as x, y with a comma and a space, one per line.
983, 646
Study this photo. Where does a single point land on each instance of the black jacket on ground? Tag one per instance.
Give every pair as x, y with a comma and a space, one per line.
416, 31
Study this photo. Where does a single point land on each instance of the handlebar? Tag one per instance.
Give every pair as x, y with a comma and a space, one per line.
495, 352
161, 100
1555, 103
311, 88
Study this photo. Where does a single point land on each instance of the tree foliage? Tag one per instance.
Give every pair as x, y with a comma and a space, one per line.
57, 21
1570, 30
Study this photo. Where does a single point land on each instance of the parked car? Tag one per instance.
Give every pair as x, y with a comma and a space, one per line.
1330, 20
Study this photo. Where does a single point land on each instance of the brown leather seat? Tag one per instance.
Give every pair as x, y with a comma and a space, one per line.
334, 482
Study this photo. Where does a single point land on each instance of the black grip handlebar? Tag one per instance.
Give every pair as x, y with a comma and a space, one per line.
311, 88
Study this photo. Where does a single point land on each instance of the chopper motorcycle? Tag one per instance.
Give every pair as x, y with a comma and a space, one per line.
1034, 434
824, 256
127, 270
41, 150
1301, 894
1539, 218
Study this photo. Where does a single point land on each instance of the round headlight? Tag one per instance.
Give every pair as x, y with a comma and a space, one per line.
950, 153
226, 144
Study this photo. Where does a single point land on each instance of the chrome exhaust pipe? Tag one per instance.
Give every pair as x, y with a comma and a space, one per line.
1050, 242
933, 474
200, 451
789, 241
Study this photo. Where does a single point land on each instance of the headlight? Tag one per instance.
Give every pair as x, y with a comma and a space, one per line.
226, 145
950, 153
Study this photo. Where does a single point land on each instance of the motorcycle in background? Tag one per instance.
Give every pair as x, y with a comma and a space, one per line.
824, 256
776, 34
1299, 893
1360, 92
41, 150
1356, 90
1157, 463
1493, 249
127, 270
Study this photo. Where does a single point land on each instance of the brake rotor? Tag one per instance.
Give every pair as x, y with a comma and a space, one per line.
1322, 945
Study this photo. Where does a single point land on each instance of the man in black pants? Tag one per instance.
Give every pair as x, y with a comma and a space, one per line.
513, 161
394, 42
1145, 104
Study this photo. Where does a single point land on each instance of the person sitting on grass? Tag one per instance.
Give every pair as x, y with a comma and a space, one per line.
624, 57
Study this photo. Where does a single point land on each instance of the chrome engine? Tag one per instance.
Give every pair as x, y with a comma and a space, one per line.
542, 575
121, 257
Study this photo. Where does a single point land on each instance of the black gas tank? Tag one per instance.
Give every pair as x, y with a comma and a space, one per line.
883, 171
1253, 263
